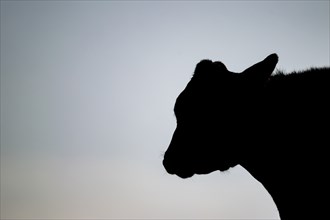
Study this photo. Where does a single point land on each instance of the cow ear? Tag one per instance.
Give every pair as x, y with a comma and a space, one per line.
208, 68
204, 66
260, 72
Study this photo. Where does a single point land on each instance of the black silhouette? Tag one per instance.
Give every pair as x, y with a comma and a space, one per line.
276, 127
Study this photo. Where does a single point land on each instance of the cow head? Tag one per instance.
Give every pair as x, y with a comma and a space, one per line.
213, 113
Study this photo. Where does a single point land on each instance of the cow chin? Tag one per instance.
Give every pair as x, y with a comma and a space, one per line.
188, 174
224, 168
184, 175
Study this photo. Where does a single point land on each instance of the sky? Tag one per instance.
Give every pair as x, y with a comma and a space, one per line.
87, 96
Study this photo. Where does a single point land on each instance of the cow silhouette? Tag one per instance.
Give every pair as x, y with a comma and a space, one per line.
275, 126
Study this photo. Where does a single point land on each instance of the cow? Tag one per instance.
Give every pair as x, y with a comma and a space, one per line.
276, 126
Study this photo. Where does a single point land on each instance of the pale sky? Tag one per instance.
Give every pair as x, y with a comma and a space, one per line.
87, 95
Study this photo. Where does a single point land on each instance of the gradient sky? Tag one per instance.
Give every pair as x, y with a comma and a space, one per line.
87, 95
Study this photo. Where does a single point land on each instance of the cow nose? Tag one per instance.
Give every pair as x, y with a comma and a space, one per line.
167, 165
173, 166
